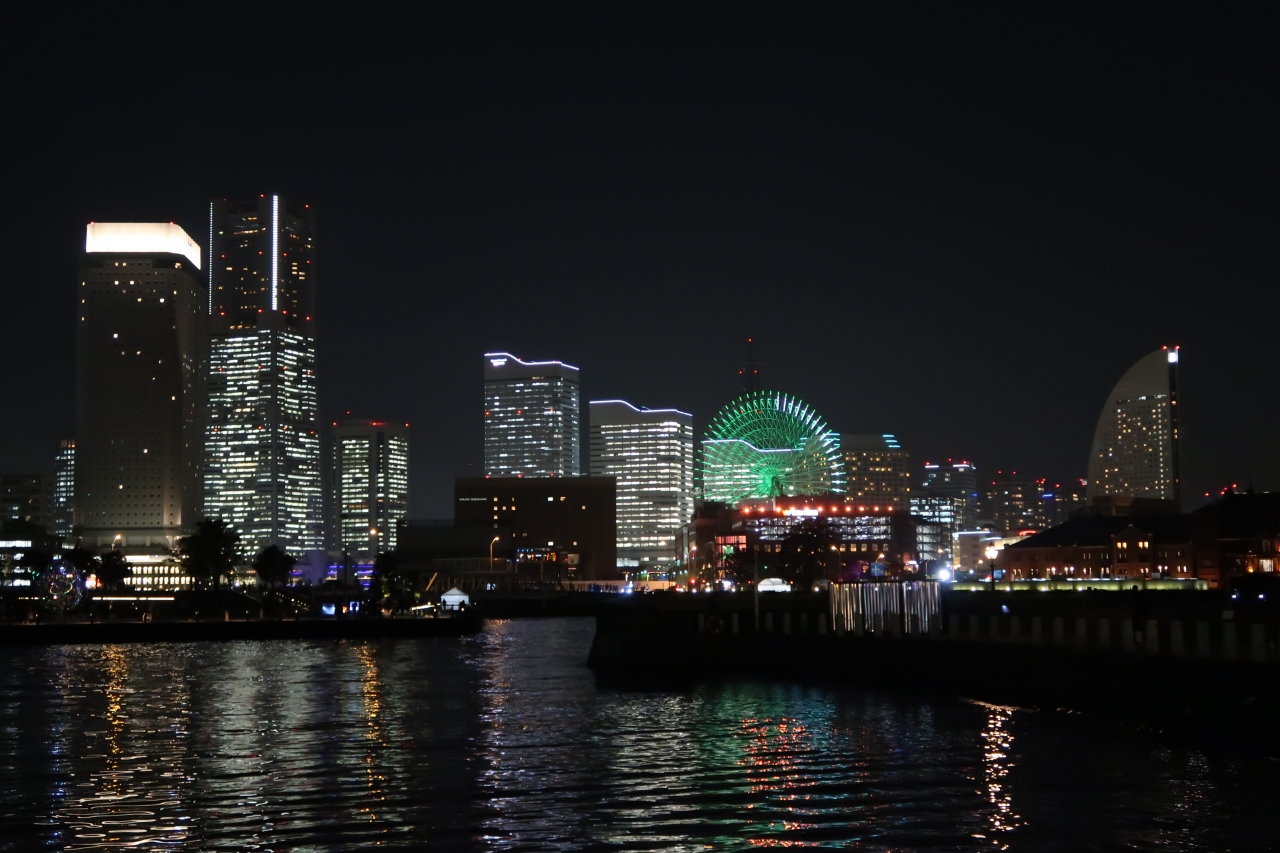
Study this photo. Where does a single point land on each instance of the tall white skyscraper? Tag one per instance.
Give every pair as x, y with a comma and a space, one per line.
650, 453
531, 418
262, 447
371, 485
1135, 449
140, 394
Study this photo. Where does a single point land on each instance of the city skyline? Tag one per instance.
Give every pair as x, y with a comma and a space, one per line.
782, 203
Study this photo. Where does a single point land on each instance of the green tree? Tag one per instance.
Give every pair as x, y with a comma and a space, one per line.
210, 552
273, 566
112, 568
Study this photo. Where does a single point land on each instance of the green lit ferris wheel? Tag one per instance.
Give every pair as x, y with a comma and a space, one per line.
765, 444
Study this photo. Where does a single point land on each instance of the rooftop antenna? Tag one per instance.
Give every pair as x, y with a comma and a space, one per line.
750, 372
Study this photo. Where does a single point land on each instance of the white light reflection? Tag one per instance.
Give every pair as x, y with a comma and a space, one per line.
997, 743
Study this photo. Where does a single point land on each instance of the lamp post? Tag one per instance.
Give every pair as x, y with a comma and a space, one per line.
491, 542
991, 553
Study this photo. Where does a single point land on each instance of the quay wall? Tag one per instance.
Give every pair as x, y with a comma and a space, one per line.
1170, 658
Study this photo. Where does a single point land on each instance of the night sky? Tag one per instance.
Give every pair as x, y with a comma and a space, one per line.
959, 223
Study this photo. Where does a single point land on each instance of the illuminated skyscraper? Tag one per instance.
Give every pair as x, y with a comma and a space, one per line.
371, 485
531, 418
64, 488
262, 448
650, 454
1135, 446
877, 470
140, 393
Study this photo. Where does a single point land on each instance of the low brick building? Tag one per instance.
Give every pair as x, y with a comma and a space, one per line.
1232, 537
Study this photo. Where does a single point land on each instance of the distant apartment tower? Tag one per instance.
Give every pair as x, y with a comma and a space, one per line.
649, 452
64, 489
877, 470
141, 349
1063, 499
27, 497
1135, 450
371, 485
262, 447
1012, 503
531, 418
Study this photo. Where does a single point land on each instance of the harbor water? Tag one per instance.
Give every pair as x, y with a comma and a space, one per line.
505, 740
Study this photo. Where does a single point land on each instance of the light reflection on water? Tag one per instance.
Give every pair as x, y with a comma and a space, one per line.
504, 741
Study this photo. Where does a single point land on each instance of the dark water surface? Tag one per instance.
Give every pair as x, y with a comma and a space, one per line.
504, 741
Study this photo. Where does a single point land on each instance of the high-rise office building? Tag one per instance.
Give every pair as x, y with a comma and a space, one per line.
371, 485
27, 497
877, 470
64, 489
954, 479
531, 418
948, 515
140, 393
262, 447
560, 528
649, 452
1135, 446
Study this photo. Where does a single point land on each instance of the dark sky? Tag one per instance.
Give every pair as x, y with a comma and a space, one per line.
955, 222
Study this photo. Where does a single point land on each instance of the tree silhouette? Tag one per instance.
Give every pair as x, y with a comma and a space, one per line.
111, 569
804, 554
273, 566
210, 552
34, 561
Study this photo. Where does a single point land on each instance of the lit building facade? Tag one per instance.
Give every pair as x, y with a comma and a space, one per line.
64, 489
1135, 450
262, 446
371, 486
141, 358
839, 538
554, 529
27, 497
877, 470
649, 452
532, 418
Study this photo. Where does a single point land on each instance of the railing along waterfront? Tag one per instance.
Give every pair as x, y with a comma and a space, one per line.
909, 607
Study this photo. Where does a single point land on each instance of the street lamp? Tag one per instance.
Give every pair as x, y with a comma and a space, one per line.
491, 541
992, 552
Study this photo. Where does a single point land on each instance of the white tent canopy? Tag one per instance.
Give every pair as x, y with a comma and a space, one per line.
455, 599
774, 585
